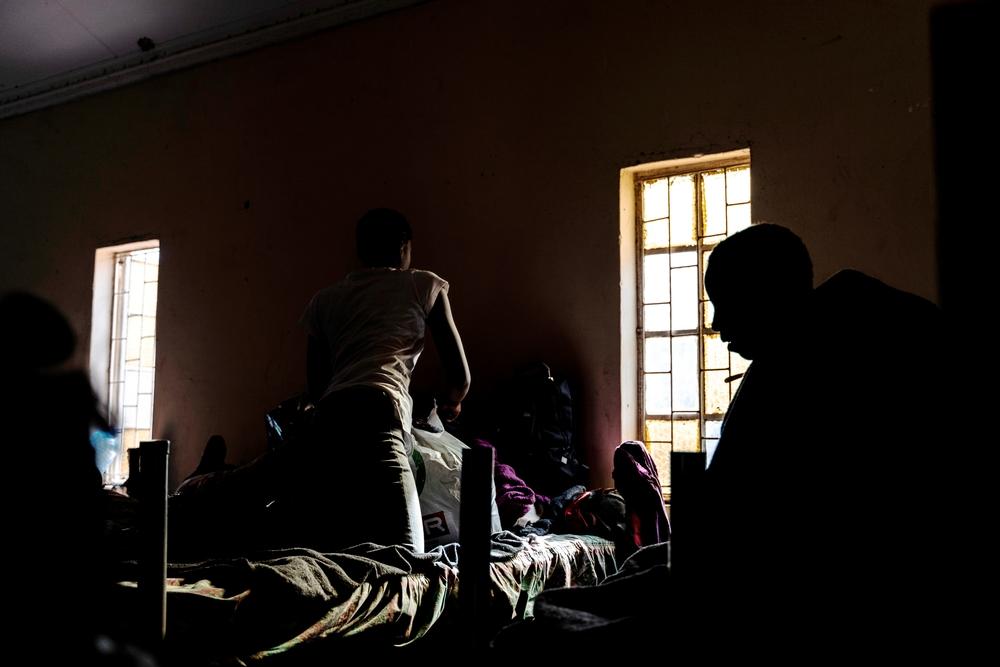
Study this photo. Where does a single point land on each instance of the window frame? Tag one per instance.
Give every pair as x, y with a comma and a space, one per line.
101, 345
637, 176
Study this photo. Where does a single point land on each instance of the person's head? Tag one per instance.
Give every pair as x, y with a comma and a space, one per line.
758, 280
213, 457
384, 239
34, 334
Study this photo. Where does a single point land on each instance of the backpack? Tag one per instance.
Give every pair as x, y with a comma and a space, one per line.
535, 431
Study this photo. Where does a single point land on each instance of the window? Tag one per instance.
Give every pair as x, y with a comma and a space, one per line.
123, 345
685, 374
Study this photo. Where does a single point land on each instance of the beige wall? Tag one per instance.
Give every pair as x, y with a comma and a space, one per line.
500, 129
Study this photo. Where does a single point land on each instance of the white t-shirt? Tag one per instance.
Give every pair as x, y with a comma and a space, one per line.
373, 323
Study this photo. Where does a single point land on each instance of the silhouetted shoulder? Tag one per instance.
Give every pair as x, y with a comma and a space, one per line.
428, 286
427, 277
851, 297
425, 272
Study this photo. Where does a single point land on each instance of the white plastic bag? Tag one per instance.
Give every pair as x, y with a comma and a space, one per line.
436, 461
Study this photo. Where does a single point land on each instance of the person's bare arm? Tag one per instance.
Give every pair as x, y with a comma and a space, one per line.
452, 354
319, 368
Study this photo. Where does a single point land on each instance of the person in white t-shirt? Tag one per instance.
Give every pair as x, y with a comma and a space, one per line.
365, 334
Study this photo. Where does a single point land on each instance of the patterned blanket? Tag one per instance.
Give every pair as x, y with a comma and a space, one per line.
281, 604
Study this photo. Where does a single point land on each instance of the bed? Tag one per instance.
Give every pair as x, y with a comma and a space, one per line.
293, 605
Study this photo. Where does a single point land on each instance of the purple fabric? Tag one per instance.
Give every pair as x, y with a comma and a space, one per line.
514, 497
637, 480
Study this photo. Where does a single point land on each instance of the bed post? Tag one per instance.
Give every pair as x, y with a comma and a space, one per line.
474, 537
686, 472
153, 535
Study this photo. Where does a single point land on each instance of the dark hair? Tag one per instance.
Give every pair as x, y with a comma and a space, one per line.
381, 233
34, 334
214, 455
769, 255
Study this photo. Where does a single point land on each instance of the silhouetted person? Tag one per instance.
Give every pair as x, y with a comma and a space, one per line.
47, 415
213, 459
365, 335
820, 496
53, 548
638, 482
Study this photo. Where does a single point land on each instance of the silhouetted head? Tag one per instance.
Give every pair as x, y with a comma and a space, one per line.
758, 280
34, 335
214, 456
384, 239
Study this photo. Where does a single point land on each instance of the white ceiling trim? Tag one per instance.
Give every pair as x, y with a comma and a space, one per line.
181, 53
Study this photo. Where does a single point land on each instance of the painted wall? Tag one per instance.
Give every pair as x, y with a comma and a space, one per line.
500, 129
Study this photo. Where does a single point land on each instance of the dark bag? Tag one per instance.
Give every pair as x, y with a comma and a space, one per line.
535, 433
287, 421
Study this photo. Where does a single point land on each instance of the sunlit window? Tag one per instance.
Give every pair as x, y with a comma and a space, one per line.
687, 376
132, 360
